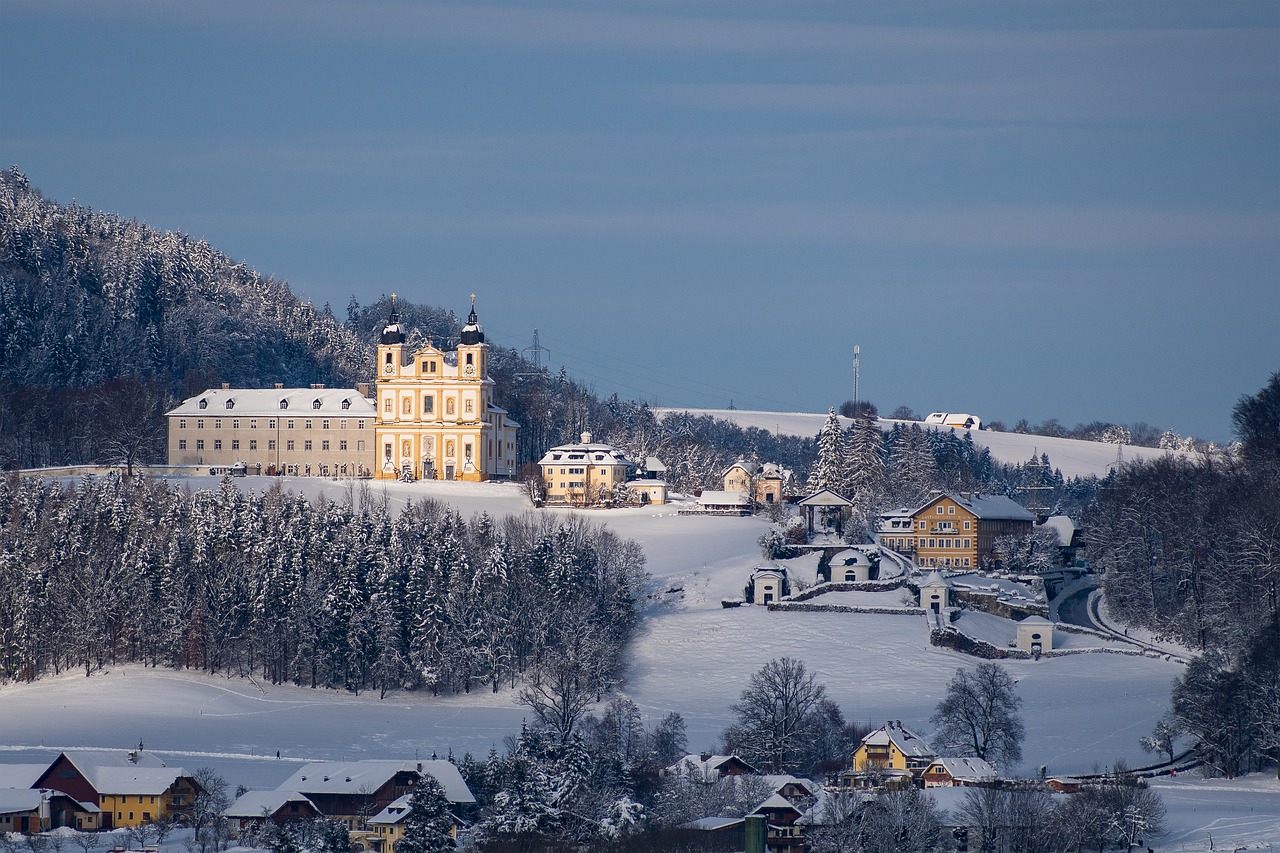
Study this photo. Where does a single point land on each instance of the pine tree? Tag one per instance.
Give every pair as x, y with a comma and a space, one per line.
428, 827
830, 472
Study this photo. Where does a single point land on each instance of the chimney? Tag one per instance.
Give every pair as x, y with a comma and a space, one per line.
363, 389
317, 386
706, 756
226, 386
279, 385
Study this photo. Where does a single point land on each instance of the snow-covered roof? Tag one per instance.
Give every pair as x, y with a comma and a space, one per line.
907, 742
266, 403
585, 452
20, 775
778, 781
706, 767
752, 468
935, 579
654, 464
712, 823
776, 802
358, 777
14, 800
1035, 620
964, 767
769, 570
825, 497
1063, 527
119, 773
254, 803
394, 812
715, 497
995, 507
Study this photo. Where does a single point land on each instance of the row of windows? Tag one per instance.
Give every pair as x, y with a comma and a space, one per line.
271, 444
968, 525
901, 543
953, 562
284, 404
428, 405
271, 424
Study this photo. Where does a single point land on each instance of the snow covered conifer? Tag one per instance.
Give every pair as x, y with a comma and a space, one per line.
829, 472
428, 827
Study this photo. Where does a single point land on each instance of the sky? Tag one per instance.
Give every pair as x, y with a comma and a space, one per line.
1061, 210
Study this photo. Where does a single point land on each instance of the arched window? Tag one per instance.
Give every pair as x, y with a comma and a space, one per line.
204, 404
469, 358
315, 404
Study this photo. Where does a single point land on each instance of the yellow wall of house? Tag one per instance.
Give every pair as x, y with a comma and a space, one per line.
133, 809
865, 758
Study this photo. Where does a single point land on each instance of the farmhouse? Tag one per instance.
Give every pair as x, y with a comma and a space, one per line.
709, 768
958, 773
893, 747
767, 483
253, 809
131, 789
353, 791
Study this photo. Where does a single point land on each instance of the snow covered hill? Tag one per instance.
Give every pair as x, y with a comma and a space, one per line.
1075, 458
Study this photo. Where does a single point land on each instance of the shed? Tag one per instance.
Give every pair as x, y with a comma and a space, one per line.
1035, 635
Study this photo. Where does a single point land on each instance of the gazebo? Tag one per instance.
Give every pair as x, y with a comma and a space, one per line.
830, 504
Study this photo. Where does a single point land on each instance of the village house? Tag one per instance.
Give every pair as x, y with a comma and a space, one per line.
891, 750
780, 814
130, 789
708, 768
767, 483
720, 502
962, 772
584, 473
959, 530
252, 810
352, 792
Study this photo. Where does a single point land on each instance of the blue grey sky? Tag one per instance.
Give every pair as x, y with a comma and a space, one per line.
1049, 209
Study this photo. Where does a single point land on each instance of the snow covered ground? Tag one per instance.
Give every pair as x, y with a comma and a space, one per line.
1073, 457
691, 655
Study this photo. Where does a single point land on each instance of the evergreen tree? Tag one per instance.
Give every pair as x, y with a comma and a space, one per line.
830, 471
428, 826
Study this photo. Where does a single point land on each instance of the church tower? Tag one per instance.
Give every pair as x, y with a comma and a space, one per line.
435, 413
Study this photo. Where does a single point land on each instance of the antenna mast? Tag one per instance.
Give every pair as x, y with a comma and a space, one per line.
857, 351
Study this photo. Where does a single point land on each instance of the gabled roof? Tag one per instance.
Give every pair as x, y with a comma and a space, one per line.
935, 579
254, 803
115, 772
15, 800
825, 497
363, 777
907, 742
1036, 621
708, 767
777, 802
1063, 527
712, 824
778, 781
395, 811
983, 506
964, 767
751, 468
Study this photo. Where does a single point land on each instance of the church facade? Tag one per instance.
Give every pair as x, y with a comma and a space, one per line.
430, 416
435, 417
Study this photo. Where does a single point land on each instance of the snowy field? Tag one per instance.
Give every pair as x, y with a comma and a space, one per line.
690, 655
1074, 458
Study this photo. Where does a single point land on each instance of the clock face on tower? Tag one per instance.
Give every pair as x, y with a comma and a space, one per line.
469, 369
388, 369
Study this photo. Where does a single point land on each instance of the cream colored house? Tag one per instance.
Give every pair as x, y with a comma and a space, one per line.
313, 431
435, 418
585, 473
767, 483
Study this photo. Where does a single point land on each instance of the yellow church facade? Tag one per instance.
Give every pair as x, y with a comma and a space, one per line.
434, 413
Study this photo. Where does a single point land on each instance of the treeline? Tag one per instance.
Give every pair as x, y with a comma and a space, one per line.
90, 301
1190, 550
325, 594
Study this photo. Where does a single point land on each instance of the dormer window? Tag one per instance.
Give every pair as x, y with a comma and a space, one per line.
204, 404
284, 404
315, 404
231, 404
346, 404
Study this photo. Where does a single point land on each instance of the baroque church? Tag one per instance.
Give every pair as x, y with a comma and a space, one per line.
431, 416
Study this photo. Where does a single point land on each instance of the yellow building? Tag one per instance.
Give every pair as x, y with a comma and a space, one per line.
435, 417
893, 747
585, 473
960, 530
